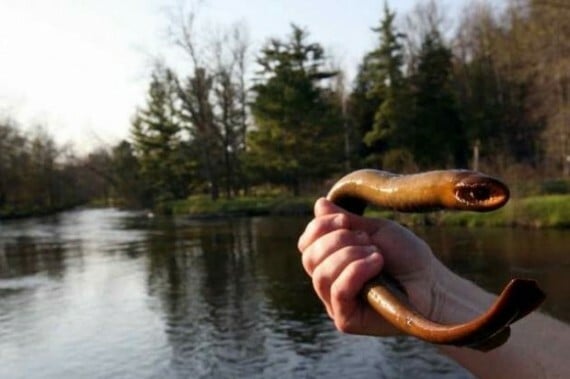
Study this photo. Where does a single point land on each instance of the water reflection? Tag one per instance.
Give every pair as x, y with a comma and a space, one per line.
103, 293
491, 257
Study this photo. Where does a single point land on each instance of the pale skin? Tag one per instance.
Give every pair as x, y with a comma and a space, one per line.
342, 251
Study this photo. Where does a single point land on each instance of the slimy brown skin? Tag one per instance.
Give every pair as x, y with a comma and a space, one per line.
423, 192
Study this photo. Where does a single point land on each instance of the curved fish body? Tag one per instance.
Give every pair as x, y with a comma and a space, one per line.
423, 192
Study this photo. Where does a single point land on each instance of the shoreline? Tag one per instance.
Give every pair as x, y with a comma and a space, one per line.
536, 212
533, 212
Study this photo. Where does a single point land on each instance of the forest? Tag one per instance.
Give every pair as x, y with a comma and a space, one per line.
493, 95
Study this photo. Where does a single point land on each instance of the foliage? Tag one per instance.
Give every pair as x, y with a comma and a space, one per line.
494, 101
156, 132
298, 134
361, 112
126, 171
33, 176
243, 205
539, 43
384, 71
435, 134
213, 107
547, 211
494, 96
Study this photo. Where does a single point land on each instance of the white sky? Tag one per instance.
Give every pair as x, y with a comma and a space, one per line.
80, 67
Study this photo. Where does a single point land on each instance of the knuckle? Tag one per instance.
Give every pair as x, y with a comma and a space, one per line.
354, 270
343, 291
342, 221
343, 324
341, 238
355, 253
308, 235
321, 281
300, 244
339, 292
307, 261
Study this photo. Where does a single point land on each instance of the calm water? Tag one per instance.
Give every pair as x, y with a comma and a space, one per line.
112, 294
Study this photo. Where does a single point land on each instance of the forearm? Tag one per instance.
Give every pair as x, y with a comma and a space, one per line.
537, 348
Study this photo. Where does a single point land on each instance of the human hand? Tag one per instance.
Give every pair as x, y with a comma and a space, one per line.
342, 251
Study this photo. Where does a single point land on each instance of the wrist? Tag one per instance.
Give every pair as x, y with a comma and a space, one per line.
455, 299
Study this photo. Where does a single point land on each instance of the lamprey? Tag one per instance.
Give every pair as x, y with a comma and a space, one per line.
424, 192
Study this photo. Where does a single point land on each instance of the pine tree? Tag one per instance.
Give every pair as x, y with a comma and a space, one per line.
298, 135
387, 84
435, 136
156, 138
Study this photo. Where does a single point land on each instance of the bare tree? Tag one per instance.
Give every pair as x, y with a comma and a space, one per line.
427, 18
214, 99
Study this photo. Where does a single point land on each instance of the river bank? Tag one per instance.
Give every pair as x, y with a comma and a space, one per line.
544, 211
205, 207
14, 213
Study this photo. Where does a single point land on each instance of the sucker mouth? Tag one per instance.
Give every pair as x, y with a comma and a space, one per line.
482, 193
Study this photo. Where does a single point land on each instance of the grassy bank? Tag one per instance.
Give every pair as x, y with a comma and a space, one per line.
204, 206
545, 211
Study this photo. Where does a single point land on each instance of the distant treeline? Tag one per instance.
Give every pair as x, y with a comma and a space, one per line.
39, 177
495, 95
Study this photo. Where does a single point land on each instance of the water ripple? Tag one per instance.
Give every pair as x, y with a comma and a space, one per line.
112, 294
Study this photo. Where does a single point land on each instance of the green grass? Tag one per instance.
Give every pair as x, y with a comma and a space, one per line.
545, 211
244, 205
548, 211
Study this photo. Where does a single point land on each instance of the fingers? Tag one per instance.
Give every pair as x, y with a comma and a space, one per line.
324, 206
403, 251
329, 217
328, 244
353, 221
320, 226
344, 304
327, 273
342, 251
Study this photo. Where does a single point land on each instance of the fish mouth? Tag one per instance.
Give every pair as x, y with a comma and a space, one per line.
481, 193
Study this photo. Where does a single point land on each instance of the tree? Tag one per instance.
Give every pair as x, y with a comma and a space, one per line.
197, 113
213, 101
126, 172
156, 135
362, 107
10, 142
230, 103
540, 33
435, 135
387, 84
298, 134
35, 177
494, 89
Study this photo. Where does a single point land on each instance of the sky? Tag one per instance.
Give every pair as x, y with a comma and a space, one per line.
80, 68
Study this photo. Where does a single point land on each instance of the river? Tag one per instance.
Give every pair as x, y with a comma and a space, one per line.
103, 293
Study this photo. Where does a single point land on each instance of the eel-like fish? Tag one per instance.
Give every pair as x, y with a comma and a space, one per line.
424, 192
